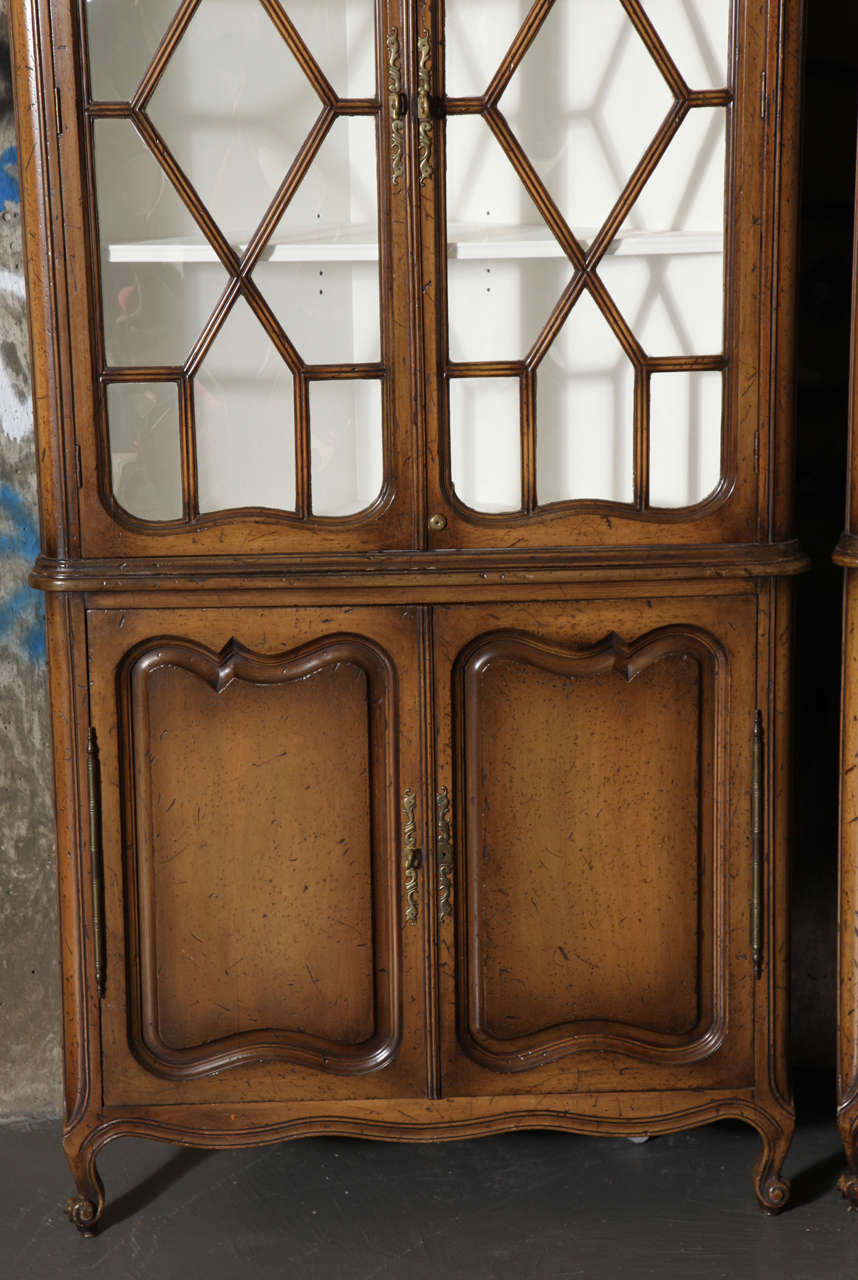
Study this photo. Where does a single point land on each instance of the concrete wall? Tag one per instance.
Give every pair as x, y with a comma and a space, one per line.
29, 1043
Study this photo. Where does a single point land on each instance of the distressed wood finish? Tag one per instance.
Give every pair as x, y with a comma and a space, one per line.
553, 920
216, 960
405, 830
613, 912
847, 1018
249, 945
846, 554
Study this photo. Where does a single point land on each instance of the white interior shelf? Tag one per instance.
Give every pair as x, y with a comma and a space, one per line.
483, 243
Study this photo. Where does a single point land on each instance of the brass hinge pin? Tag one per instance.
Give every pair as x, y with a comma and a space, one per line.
757, 845
95, 853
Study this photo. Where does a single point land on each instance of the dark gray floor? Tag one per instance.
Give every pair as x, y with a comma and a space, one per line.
527, 1206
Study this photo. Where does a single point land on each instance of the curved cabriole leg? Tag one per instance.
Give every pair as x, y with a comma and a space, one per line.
84, 1209
849, 1180
772, 1189
849, 1187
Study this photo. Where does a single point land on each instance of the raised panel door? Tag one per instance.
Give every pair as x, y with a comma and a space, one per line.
599, 766
592, 262
248, 279
252, 766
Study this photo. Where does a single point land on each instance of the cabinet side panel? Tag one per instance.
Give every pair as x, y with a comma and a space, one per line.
79, 1001
784, 171
33, 91
848, 891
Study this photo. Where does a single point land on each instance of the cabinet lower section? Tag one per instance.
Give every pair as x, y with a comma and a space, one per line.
423, 870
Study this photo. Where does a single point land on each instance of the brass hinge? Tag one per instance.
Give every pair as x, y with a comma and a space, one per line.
424, 106
96, 860
397, 106
757, 846
445, 852
764, 101
412, 856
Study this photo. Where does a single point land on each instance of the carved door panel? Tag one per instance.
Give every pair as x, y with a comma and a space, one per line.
256, 937
599, 761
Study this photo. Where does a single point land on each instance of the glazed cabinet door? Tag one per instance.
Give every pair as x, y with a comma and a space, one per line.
242, 276
252, 768
593, 261
598, 764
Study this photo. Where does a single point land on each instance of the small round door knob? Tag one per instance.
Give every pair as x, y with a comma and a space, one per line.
437, 522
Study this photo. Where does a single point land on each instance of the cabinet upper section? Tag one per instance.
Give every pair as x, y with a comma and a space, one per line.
363, 276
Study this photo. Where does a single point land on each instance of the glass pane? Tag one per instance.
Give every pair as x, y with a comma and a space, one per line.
320, 270
666, 267
585, 413
474, 49
685, 437
340, 34
505, 270
345, 443
245, 420
672, 301
234, 107
585, 103
485, 442
145, 456
697, 36
123, 36
686, 190
159, 277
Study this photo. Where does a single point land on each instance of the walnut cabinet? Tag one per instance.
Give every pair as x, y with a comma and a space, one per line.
413, 392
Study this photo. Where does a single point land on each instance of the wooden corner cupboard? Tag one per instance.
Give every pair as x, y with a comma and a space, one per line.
413, 393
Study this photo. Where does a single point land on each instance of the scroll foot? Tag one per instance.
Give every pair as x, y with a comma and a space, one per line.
849, 1188
771, 1188
84, 1208
84, 1214
774, 1195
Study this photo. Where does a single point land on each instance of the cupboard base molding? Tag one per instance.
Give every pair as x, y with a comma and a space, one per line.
448, 1120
